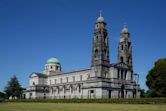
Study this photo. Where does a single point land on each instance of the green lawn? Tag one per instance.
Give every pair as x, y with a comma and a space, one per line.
79, 107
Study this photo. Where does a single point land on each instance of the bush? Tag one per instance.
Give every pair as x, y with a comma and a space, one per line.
2, 100
117, 100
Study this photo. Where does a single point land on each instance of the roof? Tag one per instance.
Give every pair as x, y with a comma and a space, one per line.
53, 60
40, 75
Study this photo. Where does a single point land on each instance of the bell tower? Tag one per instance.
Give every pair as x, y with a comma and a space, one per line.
100, 50
125, 48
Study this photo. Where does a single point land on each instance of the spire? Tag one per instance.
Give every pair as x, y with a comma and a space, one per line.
100, 18
125, 28
100, 13
124, 25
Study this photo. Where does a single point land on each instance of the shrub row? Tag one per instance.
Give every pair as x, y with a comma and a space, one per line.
119, 101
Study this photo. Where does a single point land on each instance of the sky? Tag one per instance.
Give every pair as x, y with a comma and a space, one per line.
31, 31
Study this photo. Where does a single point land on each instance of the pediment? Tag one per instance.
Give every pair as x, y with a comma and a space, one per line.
33, 75
40, 75
122, 65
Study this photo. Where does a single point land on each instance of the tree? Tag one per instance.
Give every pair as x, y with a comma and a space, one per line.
13, 88
143, 94
2, 95
156, 79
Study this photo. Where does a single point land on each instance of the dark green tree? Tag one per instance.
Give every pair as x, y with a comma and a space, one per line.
156, 79
143, 93
13, 88
2, 95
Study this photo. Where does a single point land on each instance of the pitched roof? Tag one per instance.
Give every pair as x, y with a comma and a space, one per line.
40, 75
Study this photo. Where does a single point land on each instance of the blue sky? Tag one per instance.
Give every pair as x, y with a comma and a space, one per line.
31, 31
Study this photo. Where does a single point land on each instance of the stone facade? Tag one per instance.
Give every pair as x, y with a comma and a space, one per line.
101, 80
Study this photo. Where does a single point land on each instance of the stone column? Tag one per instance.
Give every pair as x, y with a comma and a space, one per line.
70, 92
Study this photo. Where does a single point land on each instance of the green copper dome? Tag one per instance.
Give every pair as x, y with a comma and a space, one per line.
53, 60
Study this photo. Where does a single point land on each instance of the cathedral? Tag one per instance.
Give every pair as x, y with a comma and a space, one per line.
101, 80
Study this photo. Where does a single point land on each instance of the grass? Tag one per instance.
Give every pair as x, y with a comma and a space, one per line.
80, 107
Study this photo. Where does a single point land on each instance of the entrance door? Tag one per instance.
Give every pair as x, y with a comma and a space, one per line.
122, 91
91, 94
24, 96
134, 93
122, 94
109, 94
30, 95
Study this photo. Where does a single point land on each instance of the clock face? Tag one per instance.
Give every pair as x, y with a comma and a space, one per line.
97, 26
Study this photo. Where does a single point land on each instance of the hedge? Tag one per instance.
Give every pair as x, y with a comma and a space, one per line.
112, 100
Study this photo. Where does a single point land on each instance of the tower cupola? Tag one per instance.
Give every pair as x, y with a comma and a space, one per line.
100, 18
125, 29
52, 66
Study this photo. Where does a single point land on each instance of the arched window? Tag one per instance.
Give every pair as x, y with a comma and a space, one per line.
125, 75
96, 53
121, 59
128, 60
122, 91
52, 90
118, 74
97, 39
121, 74
79, 87
105, 40
121, 47
88, 75
57, 67
106, 74
129, 44
105, 53
33, 83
